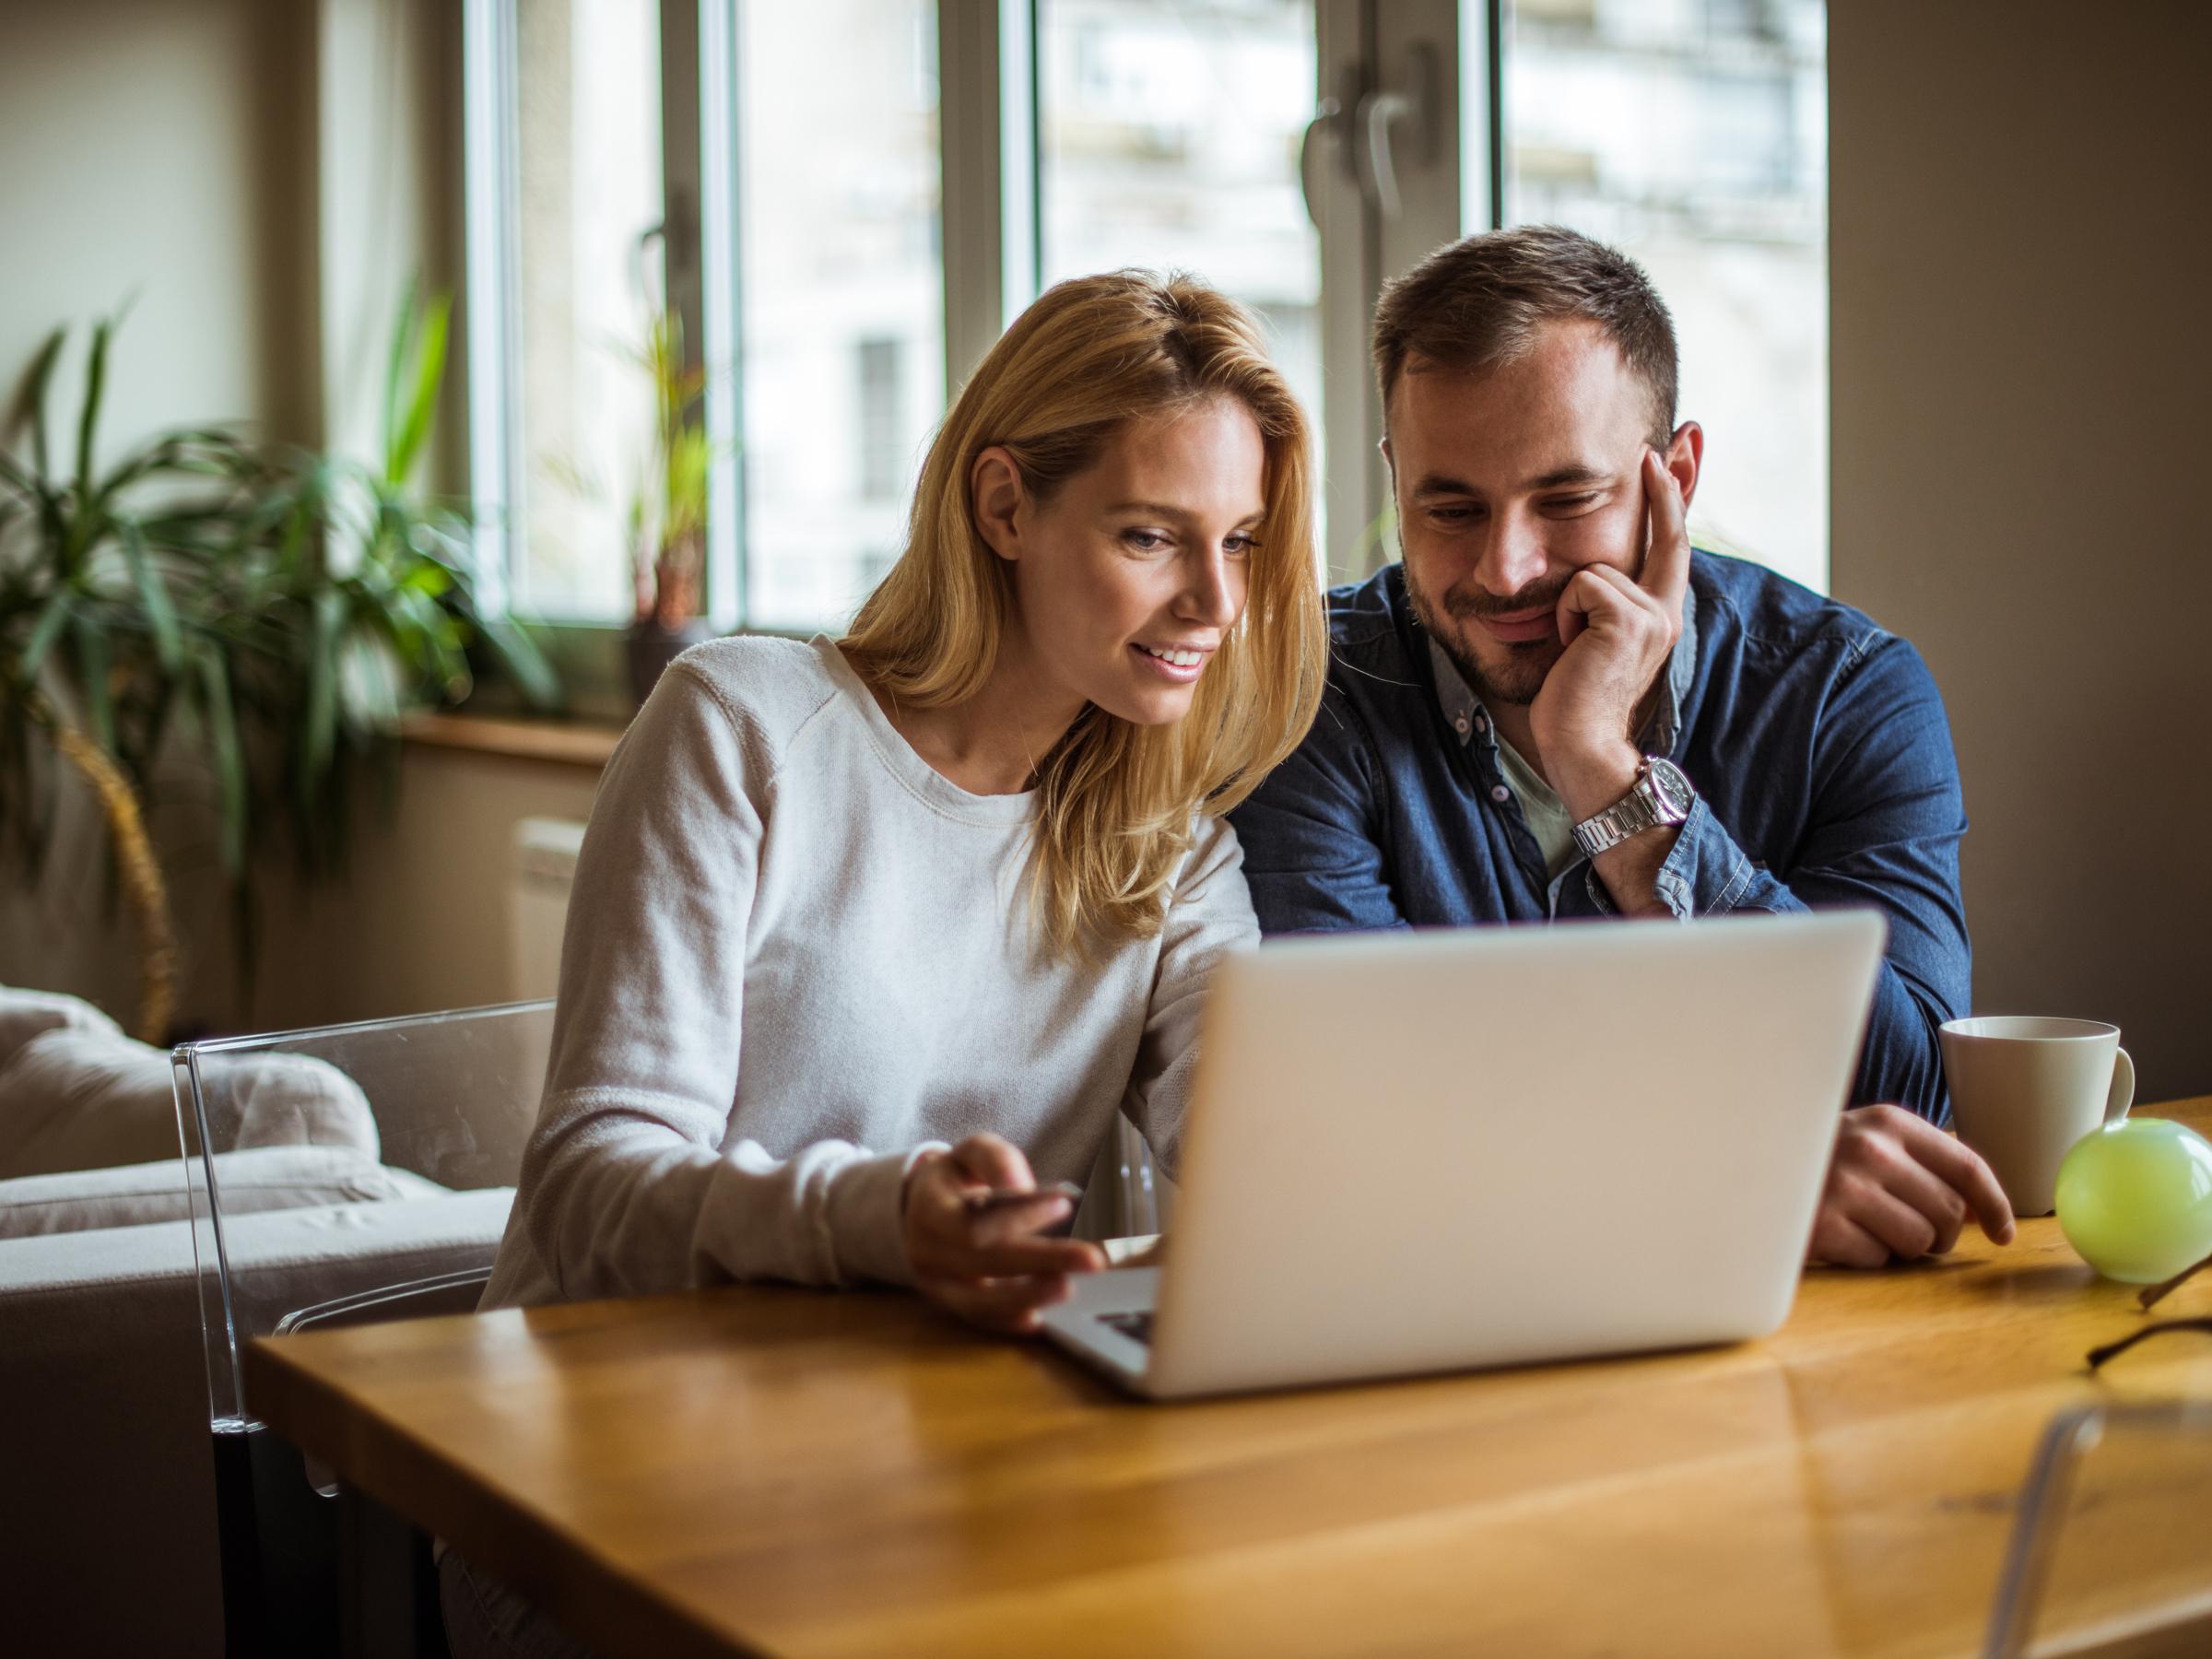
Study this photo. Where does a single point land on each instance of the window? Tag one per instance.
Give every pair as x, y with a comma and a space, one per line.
846, 201
1694, 136
883, 446
1168, 137
837, 209
586, 216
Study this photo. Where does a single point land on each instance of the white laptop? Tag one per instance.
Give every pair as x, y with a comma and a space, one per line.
1428, 1151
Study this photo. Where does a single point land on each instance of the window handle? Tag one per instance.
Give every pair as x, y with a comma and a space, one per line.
1377, 111
654, 240
1406, 108
1328, 116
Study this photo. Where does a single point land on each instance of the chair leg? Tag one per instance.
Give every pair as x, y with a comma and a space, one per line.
278, 1539
387, 1585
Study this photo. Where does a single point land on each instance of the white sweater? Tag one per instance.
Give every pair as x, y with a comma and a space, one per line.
796, 956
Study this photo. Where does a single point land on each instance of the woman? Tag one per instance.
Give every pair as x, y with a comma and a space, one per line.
859, 930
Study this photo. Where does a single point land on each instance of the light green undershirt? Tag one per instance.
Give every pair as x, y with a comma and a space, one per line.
1545, 812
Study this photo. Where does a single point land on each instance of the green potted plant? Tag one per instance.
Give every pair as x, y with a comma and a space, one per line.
274, 610
102, 640
668, 511
358, 585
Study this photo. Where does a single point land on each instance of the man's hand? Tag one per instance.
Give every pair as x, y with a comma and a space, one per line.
988, 1267
1618, 632
1900, 1188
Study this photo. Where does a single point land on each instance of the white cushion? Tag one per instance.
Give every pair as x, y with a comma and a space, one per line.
75, 1099
298, 1101
24, 1014
259, 1178
80, 1099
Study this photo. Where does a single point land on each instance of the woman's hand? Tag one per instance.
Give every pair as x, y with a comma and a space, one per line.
989, 1267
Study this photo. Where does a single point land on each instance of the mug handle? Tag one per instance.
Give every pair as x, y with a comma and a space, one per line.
2123, 1095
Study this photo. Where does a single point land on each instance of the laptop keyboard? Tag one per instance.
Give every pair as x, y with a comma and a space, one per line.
1137, 1327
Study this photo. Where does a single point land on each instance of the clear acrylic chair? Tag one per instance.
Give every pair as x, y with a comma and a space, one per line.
342, 1175
1127, 1195
2109, 1552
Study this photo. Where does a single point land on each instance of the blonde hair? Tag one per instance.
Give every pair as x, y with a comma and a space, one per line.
1116, 799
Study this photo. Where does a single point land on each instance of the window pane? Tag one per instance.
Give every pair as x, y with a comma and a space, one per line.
588, 177
841, 296
1170, 133
1693, 135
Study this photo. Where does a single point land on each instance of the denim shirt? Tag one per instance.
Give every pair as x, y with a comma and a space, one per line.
1817, 742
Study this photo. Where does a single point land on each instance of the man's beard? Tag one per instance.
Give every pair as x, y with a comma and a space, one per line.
1520, 676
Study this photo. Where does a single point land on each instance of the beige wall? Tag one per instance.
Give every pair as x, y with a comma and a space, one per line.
166, 149
2021, 254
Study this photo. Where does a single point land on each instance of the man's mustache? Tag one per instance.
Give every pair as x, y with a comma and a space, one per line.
1544, 595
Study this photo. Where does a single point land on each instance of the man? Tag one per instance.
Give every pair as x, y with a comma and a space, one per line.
1555, 708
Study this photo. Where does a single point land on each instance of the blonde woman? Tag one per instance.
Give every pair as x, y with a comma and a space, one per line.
863, 929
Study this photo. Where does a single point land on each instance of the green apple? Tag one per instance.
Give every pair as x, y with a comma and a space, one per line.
2136, 1199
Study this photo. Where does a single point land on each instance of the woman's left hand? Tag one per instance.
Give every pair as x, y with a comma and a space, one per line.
990, 1266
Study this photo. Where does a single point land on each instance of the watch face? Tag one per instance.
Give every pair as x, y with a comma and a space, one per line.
1673, 789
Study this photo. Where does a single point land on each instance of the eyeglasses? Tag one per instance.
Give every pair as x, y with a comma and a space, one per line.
2158, 1293
2097, 1355
2150, 1298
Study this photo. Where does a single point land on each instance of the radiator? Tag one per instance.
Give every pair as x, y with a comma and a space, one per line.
537, 903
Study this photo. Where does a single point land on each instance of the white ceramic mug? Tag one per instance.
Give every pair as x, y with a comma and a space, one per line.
2025, 1088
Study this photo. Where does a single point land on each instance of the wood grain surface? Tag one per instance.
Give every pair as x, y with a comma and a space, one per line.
764, 1470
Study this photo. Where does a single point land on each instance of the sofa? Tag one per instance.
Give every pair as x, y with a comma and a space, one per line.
327, 1186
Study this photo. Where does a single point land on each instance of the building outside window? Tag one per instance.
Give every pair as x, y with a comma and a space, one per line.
587, 208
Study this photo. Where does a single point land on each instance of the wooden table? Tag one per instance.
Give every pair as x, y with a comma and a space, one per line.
779, 1471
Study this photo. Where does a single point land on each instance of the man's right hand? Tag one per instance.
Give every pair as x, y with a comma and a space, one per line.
1900, 1188
989, 1267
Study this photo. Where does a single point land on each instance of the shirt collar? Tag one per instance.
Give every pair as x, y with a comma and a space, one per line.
1465, 713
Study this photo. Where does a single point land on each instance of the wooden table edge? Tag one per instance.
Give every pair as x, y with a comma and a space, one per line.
590, 1598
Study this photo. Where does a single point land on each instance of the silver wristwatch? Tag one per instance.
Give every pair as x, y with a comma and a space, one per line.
1662, 795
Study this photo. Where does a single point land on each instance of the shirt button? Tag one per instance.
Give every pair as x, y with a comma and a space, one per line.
1481, 724
1461, 724
1500, 794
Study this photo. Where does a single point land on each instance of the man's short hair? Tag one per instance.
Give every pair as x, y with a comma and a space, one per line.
1480, 302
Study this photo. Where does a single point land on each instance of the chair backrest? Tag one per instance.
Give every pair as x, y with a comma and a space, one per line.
347, 1164
2107, 1552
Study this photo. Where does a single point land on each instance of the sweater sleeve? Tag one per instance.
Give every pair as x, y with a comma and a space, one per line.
625, 1185
1209, 917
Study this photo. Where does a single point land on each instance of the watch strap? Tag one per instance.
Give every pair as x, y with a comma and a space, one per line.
1635, 812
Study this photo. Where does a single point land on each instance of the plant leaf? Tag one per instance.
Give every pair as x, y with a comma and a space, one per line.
402, 330
230, 757
92, 662
12, 474
160, 614
43, 635
422, 399
34, 397
319, 738
518, 654
88, 420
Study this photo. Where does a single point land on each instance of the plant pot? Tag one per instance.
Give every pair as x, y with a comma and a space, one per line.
652, 648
